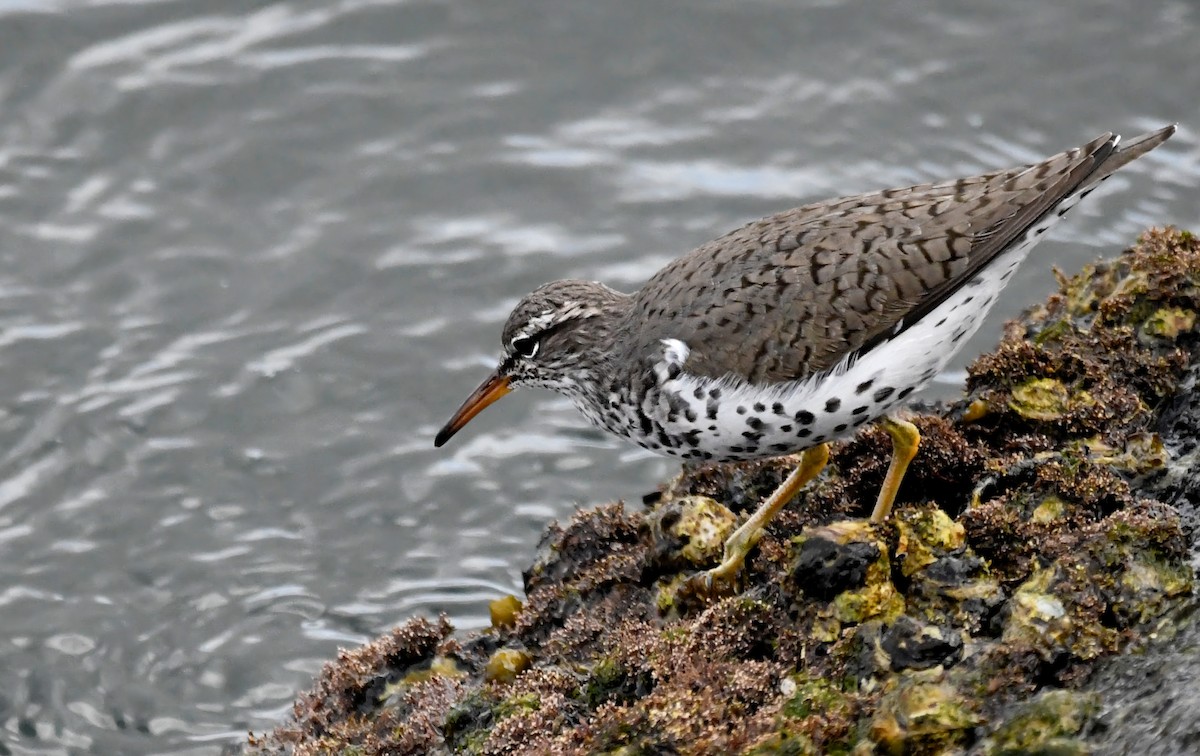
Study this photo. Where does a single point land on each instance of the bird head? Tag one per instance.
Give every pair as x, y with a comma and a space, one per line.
554, 338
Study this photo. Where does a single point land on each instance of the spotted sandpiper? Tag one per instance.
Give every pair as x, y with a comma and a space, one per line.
795, 329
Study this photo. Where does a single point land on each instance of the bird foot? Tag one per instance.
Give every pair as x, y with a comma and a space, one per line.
703, 587
719, 582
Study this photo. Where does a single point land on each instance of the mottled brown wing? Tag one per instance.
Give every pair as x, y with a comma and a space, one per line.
790, 295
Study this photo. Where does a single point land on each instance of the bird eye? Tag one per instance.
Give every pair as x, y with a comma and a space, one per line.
525, 346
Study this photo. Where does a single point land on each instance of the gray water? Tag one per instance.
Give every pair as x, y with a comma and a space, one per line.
252, 255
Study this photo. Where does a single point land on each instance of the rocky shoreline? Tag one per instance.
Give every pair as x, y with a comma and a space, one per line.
1044, 528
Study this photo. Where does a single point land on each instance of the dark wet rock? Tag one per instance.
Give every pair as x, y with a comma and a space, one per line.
914, 645
825, 568
1044, 530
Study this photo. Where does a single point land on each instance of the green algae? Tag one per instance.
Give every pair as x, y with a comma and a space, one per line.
1169, 323
505, 664
1047, 724
703, 526
921, 712
1040, 399
504, 610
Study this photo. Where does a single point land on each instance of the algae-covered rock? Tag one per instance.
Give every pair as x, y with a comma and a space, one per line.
1047, 724
1040, 399
924, 533
921, 713
1042, 619
1038, 532
1169, 323
847, 564
702, 525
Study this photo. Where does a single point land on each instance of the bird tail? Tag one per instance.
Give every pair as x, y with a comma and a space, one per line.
1127, 152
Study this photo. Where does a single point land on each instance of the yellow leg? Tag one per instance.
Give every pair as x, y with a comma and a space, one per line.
743, 539
905, 440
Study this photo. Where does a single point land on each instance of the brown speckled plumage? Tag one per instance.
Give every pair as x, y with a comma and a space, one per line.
787, 296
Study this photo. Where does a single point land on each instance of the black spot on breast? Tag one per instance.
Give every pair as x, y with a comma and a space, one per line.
905, 392
778, 408
710, 410
741, 410
752, 435
699, 392
714, 393
860, 410
864, 386
804, 417
754, 422
760, 407
780, 447
804, 433
882, 393
833, 404
785, 428
860, 421
840, 427
690, 415
646, 424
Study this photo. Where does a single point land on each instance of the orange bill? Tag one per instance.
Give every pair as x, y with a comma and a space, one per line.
489, 391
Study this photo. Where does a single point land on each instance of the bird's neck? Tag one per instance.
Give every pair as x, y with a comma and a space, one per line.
600, 342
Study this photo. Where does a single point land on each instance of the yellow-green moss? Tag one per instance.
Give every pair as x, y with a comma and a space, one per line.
518, 704
504, 611
505, 664
1040, 399
703, 526
1050, 509
921, 712
923, 533
1046, 725
1169, 323
1141, 453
